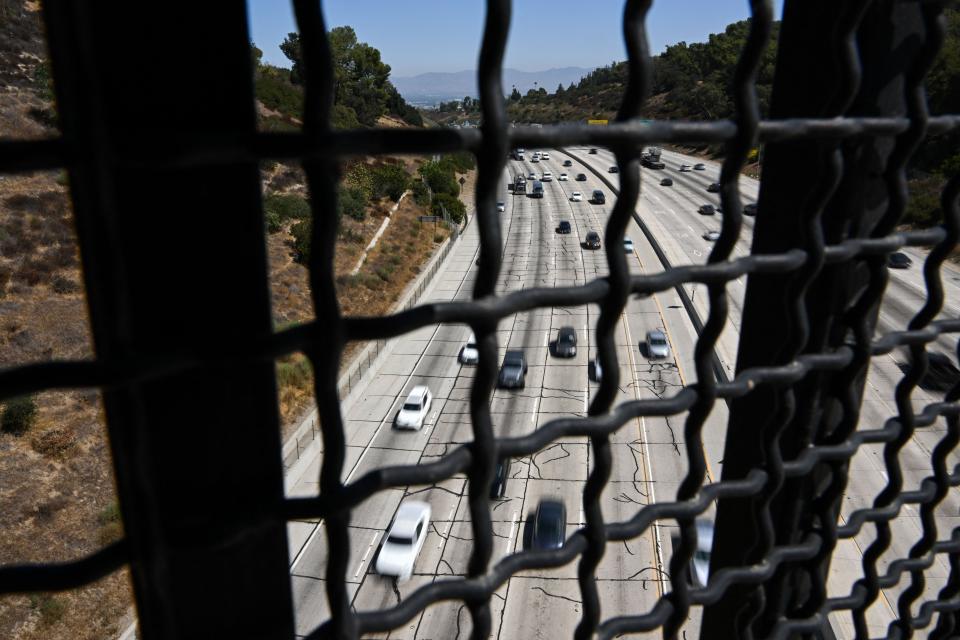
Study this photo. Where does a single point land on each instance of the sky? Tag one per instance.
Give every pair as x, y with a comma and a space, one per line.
419, 36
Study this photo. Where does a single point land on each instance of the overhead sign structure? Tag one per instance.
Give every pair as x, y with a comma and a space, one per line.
596, 122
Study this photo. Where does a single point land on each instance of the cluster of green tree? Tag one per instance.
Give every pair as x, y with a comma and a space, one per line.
362, 89
439, 186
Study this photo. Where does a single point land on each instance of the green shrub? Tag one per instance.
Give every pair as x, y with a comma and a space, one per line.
19, 414
352, 203
296, 373
343, 117
438, 237
421, 193
451, 204
301, 240
359, 176
390, 180
111, 525
274, 89
384, 273
286, 206
461, 161
272, 221
440, 177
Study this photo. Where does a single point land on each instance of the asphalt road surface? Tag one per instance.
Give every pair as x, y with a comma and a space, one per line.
649, 454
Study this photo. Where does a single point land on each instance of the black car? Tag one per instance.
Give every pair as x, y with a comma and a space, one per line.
567, 163
592, 240
706, 210
499, 485
898, 260
593, 152
941, 374
513, 371
598, 197
564, 226
613, 169
581, 177
566, 342
666, 182
714, 187
750, 209
549, 525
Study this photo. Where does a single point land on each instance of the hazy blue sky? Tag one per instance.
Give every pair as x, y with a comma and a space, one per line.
444, 35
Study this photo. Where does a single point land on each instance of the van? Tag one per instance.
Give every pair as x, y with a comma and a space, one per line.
537, 191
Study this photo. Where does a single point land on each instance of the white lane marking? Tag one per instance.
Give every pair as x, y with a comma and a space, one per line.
581, 514
658, 545
446, 534
365, 554
586, 400
513, 527
536, 409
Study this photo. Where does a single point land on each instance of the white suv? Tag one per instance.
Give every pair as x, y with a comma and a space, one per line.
414, 411
404, 540
544, 156
547, 177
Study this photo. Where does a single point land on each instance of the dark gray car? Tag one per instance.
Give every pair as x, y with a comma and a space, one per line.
549, 526
592, 240
566, 342
513, 371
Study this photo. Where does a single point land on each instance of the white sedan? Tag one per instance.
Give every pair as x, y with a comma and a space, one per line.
415, 409
628, 245
404, 540
501, 206
469, 353
711, 236
576, 196
547, 177
544, 156
562, 177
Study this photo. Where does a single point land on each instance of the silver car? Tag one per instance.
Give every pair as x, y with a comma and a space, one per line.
657, 345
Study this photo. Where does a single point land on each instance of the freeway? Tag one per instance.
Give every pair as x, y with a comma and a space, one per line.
671, 213
649, 455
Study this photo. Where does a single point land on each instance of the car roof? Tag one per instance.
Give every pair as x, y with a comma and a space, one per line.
567, 330
656, 333
417, 391
408, 515
551, 509
592, 233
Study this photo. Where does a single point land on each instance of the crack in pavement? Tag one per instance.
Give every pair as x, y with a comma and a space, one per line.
627, 547
662, 575
396, 590
449, 566
554, 595
432, 487
636, 463
536, 464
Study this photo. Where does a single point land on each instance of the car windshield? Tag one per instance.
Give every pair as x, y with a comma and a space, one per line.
471, 344
566, 337
701, 555
657, 340
400, 540
411, 406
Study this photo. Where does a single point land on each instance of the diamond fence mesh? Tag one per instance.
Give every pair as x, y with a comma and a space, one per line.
794, 404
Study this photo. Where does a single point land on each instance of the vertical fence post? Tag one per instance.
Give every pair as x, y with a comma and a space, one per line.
197, 453
814, 78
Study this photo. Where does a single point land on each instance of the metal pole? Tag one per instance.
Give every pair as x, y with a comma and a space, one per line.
813, 78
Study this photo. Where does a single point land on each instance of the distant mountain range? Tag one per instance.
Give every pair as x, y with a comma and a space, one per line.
429, 88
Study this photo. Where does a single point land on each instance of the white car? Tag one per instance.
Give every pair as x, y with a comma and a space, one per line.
545, 155
711, 236
469, 353
501, 206
562, 177
657, 345
404, 540
628, 245
597, 370
547, 177
415, 409
576, 196
684, 168
532, 176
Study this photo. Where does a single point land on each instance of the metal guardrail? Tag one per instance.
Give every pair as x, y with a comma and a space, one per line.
191, 409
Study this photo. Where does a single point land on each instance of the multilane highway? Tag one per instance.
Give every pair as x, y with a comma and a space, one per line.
649, 454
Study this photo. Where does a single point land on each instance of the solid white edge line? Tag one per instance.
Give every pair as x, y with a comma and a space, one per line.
366, 553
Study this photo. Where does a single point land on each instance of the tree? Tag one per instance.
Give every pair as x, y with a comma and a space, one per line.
515, 94
256, 55
560, 90
291, 48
